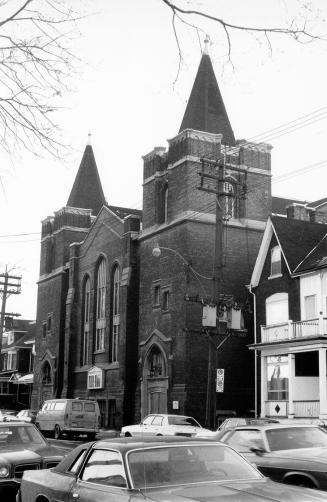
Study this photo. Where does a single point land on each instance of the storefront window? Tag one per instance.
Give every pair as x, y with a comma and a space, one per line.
277, 378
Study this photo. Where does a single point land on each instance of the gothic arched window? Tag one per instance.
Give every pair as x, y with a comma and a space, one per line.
156, 365
100, 324
115, 314
46, 373
86, 321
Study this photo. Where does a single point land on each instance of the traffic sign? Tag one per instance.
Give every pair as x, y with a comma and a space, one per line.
220, 380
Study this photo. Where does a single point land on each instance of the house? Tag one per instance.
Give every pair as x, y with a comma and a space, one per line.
17, 361
289, 283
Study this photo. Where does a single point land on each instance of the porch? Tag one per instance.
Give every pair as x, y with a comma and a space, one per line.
302, 409
294, 330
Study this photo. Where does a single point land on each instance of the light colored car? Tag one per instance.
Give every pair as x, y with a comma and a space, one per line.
165, 469
164, 425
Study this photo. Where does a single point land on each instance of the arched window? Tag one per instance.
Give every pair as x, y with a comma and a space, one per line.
100, 306
229, 207
277, 309
115, 317
46, 373
86, 321
156, 366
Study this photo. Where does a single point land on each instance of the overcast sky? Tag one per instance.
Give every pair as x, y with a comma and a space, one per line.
127, 98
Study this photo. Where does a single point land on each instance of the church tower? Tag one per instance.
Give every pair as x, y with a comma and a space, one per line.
177, 245
69, 224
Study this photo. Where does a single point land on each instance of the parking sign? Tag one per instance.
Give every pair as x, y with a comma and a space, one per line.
220, 380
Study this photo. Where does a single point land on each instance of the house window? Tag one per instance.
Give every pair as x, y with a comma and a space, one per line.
115, 314
12, 361
86, 321
310, 307
277, 378
277, 309
156, 295
165, 299
11, 337
276, 261
100, 306
44, 330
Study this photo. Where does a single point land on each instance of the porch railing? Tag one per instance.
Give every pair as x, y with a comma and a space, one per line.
290, 330
306, 409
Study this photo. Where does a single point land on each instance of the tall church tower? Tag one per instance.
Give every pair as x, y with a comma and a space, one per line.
69, 224
179, 223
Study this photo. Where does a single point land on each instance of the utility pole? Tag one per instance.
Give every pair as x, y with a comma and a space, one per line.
217, 180
213, 179
9, 285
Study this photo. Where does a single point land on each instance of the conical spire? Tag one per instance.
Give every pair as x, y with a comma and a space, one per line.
205, 109
87, 191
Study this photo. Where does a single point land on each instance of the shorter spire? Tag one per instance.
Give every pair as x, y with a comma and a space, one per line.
89, 139
206, 45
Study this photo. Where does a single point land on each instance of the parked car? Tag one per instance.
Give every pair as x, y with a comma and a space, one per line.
293, 454
27, 416
69, 416
164, 425
167, 468
8, 416
22, 447
231, 423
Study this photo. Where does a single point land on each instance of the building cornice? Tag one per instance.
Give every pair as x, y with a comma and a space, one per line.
198, 217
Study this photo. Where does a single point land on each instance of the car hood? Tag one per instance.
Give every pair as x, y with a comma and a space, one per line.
235, 491
317, 454
18, 455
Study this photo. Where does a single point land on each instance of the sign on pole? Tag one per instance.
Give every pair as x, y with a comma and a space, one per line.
220, 380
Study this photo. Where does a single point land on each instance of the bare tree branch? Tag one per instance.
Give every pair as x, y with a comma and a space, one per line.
298, 31
36, 70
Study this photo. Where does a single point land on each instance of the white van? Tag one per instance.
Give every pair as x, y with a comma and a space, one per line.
70, 416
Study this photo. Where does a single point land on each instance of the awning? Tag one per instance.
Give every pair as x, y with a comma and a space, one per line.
26, 379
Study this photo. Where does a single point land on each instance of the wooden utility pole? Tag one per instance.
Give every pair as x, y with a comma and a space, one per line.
9, 285
215, 185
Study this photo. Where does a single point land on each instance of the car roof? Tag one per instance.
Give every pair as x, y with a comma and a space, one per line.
275, 426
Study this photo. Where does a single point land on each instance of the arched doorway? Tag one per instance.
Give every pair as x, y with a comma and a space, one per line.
155, 381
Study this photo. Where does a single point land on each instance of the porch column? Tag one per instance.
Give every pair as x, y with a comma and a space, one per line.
264, 391
322, 384
291, 376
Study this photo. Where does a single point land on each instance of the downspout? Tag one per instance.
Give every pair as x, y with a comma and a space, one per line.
255, 352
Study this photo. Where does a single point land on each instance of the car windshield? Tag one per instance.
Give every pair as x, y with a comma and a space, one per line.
175, 465
289, 438
179, 420
20, 436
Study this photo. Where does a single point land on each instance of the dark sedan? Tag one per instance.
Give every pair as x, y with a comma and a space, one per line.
22, 447
293, 454
165, 469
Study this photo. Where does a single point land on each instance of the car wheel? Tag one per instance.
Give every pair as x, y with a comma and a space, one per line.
57, 432
158, 434
128, 435
300, 481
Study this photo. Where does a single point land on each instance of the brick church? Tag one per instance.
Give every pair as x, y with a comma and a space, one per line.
121, 291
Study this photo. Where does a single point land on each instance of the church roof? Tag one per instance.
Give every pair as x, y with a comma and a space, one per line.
87, 190
205, 110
